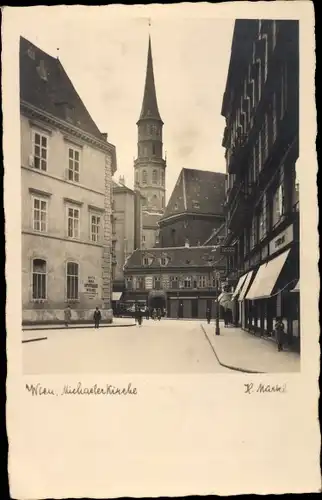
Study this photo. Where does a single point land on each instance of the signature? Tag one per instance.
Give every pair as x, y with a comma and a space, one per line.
264, 388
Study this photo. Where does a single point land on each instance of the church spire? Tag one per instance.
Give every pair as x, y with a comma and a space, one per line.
150, 104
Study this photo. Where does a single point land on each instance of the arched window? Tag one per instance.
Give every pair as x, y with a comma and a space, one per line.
162, 178
153, 149
144, 177
154, 200
39, 279
72, 280
162, 202
136, 177
155, 176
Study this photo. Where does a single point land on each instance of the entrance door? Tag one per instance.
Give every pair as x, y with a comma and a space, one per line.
180, 309
194, 308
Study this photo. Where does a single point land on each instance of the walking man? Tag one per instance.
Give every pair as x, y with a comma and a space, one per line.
208, 315
97, 317
279, 330
67, 315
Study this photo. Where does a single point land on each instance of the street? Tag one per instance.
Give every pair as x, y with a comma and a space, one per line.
166, 346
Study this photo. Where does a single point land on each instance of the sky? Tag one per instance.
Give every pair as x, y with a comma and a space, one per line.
106, 60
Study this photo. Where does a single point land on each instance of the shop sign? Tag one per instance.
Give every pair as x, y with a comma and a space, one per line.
228, 250
283, 239
91, 287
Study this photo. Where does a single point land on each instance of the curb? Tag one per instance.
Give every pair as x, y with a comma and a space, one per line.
230, 367
62, 327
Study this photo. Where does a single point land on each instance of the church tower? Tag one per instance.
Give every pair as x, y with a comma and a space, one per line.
150, 166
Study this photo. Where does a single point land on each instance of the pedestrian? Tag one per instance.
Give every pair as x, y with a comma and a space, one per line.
208, 315
147, 313
226, 317
279, 331
97, 317
159, 314
67, 315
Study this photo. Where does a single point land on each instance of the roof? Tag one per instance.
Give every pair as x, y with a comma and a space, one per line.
197, 191
216, 233
182, 257
149, 105
55, 93
150, 219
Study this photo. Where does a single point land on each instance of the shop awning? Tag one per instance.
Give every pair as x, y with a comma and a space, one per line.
220, 296
245, 286
297, 287
240, 283
116, 295
267, 277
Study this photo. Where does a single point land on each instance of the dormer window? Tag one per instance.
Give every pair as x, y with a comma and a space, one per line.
31, 53
147, 261
69, 113
176, 206
164, 260
196, 204
42, 70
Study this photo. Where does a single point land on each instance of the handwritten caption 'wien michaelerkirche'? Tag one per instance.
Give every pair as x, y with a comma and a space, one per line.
80, 390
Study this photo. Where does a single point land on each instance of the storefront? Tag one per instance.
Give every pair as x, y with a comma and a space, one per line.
244, 309
236, 303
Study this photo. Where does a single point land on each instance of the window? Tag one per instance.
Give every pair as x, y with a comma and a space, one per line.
73, 165
143, 238
162, 178
144, 177
253, 234
274, 118
140, 283
202, 282
136, 177
174, 282
40, 151
153, 149
39, 279
40, 211
72, 280
187, 282
128, 283
163, 261
95, 228
263, 218
155, 176
146, 261
195, 204
157, 283
73, 222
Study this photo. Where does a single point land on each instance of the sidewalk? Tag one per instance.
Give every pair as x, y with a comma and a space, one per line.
239, 350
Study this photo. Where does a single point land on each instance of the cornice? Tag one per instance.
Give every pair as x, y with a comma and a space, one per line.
182, 215
34, 113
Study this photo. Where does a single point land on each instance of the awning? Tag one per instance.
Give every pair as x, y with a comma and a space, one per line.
245, 286
240, 283
267, 277
116, 295
220, 296
297, 287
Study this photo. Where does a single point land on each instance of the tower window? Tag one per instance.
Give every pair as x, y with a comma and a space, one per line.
162, 178
144, 177
153, 149
155, 176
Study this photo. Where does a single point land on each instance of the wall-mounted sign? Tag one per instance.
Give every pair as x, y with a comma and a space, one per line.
91, 287
228, 250
280, 241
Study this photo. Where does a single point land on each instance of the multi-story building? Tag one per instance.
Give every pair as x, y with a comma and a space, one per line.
261, 138
150, 166
195, 209
126, 231
66, 186
184, 280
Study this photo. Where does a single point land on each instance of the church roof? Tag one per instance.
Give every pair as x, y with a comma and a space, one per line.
150, 105
197, 191
45, 84
182, 257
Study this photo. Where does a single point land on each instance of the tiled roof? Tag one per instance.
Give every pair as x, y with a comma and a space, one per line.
197, 191
55, 93
184, 257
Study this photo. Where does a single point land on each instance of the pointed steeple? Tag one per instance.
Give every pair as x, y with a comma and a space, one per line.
150, 104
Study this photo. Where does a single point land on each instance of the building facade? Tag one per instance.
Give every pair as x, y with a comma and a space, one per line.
66, 188
150, 166
183, 280
126, 231
195, 209
261, 138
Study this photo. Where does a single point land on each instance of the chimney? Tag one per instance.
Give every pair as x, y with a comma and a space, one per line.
122, 180
187, 244
104, 136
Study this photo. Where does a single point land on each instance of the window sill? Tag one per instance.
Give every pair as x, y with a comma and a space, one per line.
39, 301
72, 301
